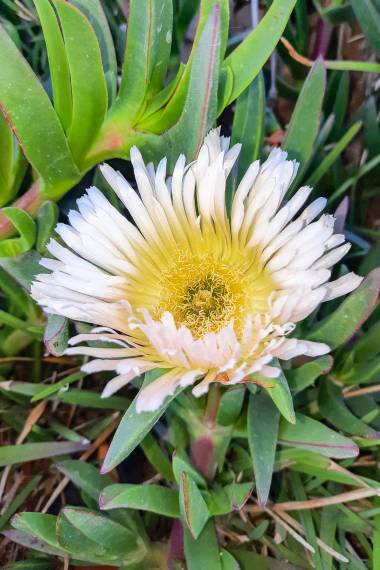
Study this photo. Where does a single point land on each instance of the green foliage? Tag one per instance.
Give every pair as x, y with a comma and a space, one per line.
262, 428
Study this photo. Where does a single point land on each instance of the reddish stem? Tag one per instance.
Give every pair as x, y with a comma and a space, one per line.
175, 544
203, 453
30, 202
322, 40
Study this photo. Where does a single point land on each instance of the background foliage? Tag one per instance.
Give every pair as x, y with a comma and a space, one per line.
76, 88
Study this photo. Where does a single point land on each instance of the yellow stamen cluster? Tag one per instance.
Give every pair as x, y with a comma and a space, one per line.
203, 294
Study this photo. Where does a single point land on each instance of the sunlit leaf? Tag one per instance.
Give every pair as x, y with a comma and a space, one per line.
88, 85
42, 139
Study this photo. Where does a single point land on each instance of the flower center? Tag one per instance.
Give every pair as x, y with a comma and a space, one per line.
202, 300
202, 294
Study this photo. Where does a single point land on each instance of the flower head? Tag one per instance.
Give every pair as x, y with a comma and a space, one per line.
186, 288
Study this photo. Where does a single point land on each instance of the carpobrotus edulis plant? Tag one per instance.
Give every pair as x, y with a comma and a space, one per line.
206, 295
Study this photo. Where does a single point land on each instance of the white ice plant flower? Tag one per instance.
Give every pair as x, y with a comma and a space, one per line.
185, 288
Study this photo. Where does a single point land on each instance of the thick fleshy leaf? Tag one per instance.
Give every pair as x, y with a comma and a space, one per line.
228, 562
248, 126
56, 334
281, 396
314, 464
199, 111
26, 228
11, 454
250, 560
85, 476
157, 457
304, 124
224, 500
249, 57
367, 13
51, 389
133, 427
58, 65
23, 268
312, 435
6, 161
181, 464
152, 498
202, 552
333, 408
166, 118
100, 529
305, 375
94, 12
47, 217
230, 406
43, 140
194, 511
92, 399
88, 85
146, 56
93, 537
338, 327
364, 406
39, 525
263, 419
31, 542
337, 98
334, 154
360, 372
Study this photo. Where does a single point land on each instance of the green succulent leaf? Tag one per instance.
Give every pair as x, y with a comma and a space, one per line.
202, 551
368, 16
157, 457
303, 376
11, 454
29, 541
199, 111
230, 406
26, 228
6, 161
152, 498
133, 427
39, 525
90, 536
338, 327
304, 124
193, 507
149, 33
93, 10
47, 217
334, 154
263, 419
278, 390
181, 464
333, 408
56, 334
248, 128
88, 84
169, 116
23, 268
250, 56
313, 435
224, 500
58, 64
43, 139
